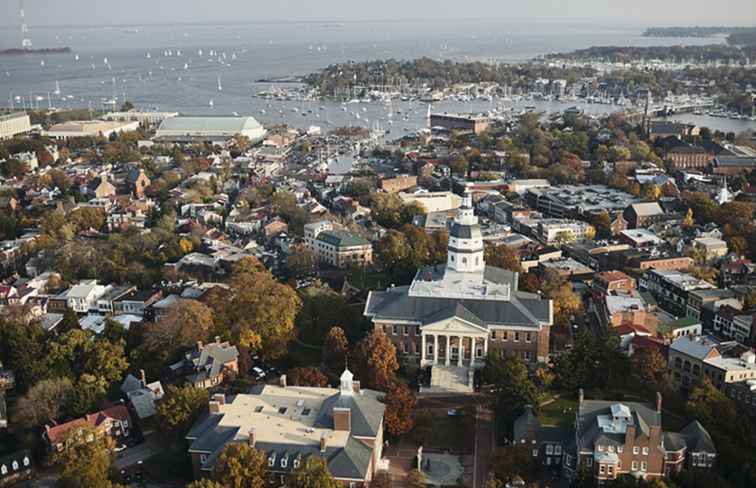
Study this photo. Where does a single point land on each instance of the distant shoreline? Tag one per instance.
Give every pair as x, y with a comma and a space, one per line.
23, 52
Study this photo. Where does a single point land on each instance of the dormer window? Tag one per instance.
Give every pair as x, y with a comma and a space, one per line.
4, 469
284, 461
15, 465
26, 461
282, 410
306, 412
258, 409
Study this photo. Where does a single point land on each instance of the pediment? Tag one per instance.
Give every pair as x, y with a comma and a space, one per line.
455, 325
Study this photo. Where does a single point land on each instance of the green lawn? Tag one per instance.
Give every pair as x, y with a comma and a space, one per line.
451, 432
560, 413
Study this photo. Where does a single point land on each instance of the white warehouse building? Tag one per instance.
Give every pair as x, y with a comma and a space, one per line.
209, 129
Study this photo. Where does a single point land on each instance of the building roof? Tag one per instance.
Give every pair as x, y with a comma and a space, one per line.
340, 238
288, 424
118, 412
14, 463
699, 347
697, 438
648, 209
230, 125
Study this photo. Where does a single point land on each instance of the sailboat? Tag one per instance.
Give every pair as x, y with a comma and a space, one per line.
212, 104
149, 56
76, 58
220, 86
42, 63
57, 88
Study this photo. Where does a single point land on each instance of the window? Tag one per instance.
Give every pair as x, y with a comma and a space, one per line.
527, 337
3, 469
284, 462
406, 330
203, 458
589, 462
306, 412
395, 330
636, 450
517, 337
549, 449
464, 260
600, 448
493, 335
644, 466
645, 451
535, 452
26, 461
558, 450
258, 409
620, 449
504, 335
610, 448
602, 469
282, 410
610, 470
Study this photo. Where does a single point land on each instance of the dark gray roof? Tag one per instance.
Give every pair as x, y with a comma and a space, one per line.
644, 417
366, 411
23, 460
464, 231
698, 439
735, 161
396, 304
524, 424
674, 441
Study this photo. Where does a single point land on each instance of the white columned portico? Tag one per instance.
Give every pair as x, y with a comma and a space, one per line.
448, 350
460, 350
423, 349
435, 348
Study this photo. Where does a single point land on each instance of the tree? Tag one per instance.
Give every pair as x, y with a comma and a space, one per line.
335, 350
415, 479
503, 256
400, 402
322, 309
180, 408
650, 193
186, 323
45, 401
517, 460
513, 388
241, 466
688, 220
650, 365
301, 262
376, 360
590, 233
566, 302
308, 377
86, 460
205, 483
313, 473
259, 312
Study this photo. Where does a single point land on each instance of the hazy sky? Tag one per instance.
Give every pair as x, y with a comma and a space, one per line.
650, 12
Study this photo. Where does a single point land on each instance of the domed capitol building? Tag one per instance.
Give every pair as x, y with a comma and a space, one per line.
451, 316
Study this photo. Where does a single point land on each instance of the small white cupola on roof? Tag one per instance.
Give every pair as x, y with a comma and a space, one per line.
347, 383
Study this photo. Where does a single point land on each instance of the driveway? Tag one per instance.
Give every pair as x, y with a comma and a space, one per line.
140, 452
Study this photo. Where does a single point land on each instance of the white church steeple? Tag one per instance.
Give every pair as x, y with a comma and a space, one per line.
465, 253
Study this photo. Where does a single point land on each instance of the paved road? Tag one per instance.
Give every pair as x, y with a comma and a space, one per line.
484, 429
133, 455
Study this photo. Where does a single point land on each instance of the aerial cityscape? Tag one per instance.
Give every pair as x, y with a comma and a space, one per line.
376, 245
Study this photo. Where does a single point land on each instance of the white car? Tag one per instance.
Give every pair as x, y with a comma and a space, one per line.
120, 448
259, 373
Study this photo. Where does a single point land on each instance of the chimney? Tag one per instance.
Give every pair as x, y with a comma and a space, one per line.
213, 406
323, 442
282, 381
220, 398
252, 439
199, 345
342, 419
581, 397
658, 402
356, 386
143, 377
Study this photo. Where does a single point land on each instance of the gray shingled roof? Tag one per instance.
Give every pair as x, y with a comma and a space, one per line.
396, 304
697, 438
366, 410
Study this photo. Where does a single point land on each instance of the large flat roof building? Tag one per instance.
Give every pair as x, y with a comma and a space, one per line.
14, 124
89, 128
289, 424
209, 129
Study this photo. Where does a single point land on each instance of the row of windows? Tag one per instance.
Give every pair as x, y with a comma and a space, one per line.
503, 335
